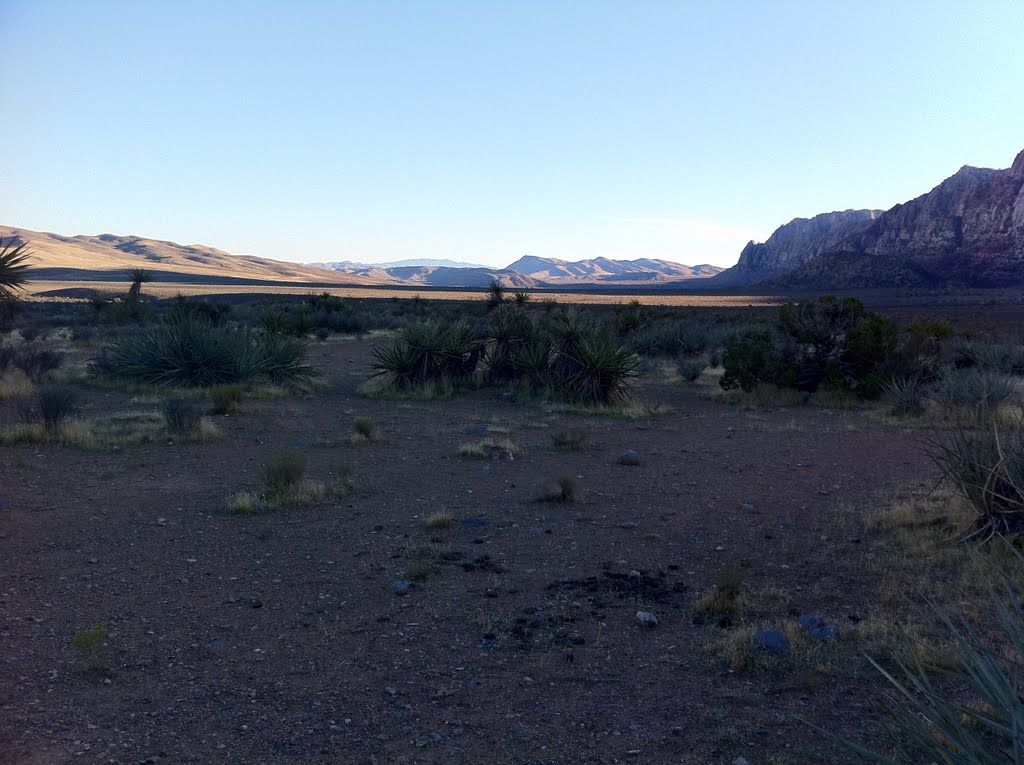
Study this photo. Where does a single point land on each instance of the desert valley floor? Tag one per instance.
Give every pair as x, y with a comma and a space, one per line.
280, 637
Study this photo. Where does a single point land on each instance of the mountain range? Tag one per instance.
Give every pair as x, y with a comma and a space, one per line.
967, 231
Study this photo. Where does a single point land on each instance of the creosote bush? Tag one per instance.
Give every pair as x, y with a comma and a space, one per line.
566, 489
366, 428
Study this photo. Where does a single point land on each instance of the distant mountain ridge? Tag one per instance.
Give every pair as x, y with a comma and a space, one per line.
967, 231
534, 272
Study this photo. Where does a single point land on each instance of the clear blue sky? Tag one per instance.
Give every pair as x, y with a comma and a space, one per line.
485, 130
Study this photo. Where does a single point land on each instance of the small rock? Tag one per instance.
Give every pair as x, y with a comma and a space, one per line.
628, 525
811, 622
401, 586
576, 638
749, 507
647, 618
774, 640
629, 457
827, 634
741, 761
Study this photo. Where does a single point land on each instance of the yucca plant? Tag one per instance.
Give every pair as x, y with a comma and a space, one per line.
193, 352
602, 368
987, 470
904, 395
511, 328
495, 293
532, 364
979, 391
428, 354
138, 277
985, 725
14, 257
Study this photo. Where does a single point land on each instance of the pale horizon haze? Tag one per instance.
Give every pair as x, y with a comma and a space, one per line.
485, 131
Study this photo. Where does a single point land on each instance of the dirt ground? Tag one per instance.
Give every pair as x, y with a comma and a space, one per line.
279, 636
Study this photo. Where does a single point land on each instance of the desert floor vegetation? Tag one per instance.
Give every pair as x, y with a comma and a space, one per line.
719, 573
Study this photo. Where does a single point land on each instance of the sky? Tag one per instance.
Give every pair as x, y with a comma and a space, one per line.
486, 130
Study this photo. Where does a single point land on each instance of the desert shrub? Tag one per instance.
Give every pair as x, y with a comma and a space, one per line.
429, 354
830, 342
284, 471
691, 367
91, 643
977, 391
521, 297
676, 337
986, 469
750, 358
181, 416
36, 362
192, 352
600, 370
215, 313
226, 398
982, 723
631, 317
7, 354
904, 395
53, 406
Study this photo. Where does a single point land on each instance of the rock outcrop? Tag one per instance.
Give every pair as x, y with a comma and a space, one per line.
968, 230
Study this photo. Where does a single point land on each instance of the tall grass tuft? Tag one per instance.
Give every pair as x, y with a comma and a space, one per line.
984, 723
904, 395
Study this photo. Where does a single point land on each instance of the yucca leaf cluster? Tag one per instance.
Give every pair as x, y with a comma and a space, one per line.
191, 351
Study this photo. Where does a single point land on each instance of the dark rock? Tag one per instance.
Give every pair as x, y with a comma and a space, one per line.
629, 457
401, 586
647, 618
774, 640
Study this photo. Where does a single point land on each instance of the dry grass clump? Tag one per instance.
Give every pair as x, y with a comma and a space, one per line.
109, 433
285, 486
366, 431
569, 440
226, 398
726, 598
439, 520
566, 489
489, 448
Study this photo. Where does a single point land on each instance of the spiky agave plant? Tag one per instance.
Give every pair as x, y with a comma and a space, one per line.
429, 354
602, 369
14, 257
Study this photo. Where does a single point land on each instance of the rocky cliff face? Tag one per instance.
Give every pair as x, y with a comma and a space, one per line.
792, 245
968, 230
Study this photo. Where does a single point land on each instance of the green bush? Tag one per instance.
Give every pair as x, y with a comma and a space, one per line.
749, 359
54, 405
193, 352
511, 330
